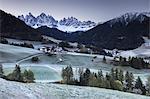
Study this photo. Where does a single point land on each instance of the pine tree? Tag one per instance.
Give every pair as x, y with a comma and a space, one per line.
120, 58
116, 74
30, 76
86, 76
138, 83
148, 85
111, 77
25, 75
129, 58
107, 81
121, 76
100, 79
124, 62
100, 73
80, 71
81, 78
129, 78
112, 73
67, 74
17, 74
63, 74
1, 70
126, 76
104, 59
93, 80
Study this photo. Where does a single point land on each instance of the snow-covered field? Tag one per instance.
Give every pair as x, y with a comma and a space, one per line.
58, 41
143, 51
9, 53
76, 60
15, 90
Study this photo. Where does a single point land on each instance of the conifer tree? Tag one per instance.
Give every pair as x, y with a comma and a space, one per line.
107, 81
30, 75
25, 75
112, 73
86, 76
67, 74
100, 73
104, 59
129, 78
116, 74
138, 83
1, 70
17, 74
100, 78
148, 85
93, 80
121, 76
126, 76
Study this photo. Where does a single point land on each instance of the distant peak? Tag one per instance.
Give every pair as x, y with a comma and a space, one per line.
127, 17
69, 24
42, 14
30, 13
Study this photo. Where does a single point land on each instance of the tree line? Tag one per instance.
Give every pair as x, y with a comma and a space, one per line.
23, 45
116, 79
135, 62
27, 76
5, 41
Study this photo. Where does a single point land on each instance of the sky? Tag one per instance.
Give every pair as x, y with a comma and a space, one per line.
94, 10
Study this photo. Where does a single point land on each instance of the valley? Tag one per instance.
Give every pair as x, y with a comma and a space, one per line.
44, 48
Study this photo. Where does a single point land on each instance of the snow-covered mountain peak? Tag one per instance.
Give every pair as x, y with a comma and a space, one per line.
30, 14
42, 14
147, 14
128, 17
70, 24
69, 21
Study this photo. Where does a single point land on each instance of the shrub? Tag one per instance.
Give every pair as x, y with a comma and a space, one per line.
35, 59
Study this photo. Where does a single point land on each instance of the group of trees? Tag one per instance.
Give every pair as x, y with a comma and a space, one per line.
1, 71
88, 49
35, 59
148, 85
134, 62
27, 76
67, 74
116, 79
65, 44
3, 40
28, 45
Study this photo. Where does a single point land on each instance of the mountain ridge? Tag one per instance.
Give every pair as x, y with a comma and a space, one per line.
124, 32
70, 24
118, 33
